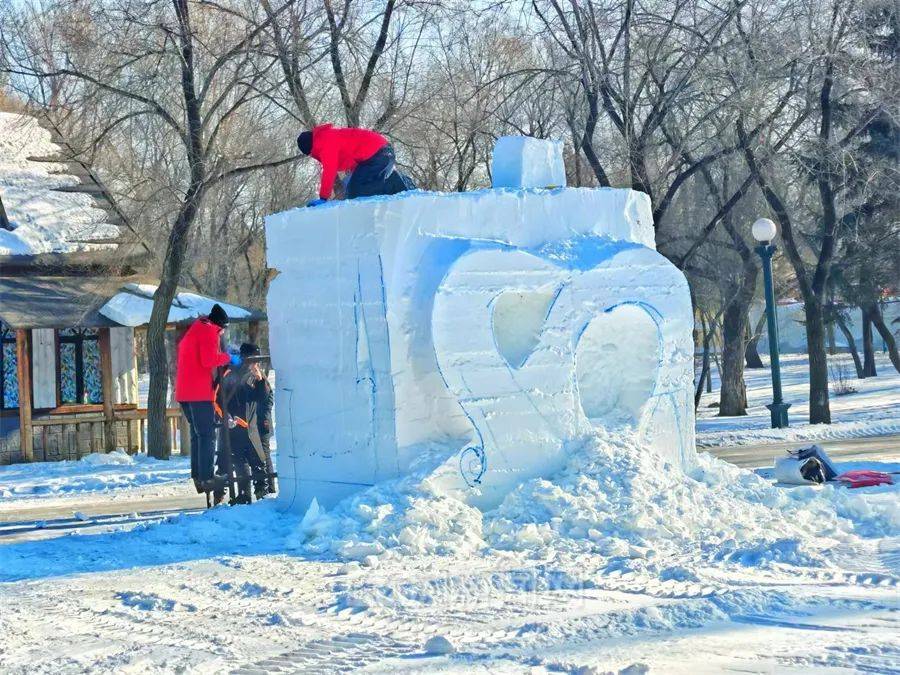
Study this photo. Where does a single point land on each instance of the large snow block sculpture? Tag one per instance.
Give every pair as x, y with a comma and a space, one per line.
474, 337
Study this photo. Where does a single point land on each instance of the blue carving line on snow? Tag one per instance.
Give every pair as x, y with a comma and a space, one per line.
474, 428
369, 375
512, 373
654, 313
293, 454
677, 409
442, 254
387, 342
383, 291
472, 465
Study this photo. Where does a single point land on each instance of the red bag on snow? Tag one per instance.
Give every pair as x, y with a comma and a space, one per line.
864, 478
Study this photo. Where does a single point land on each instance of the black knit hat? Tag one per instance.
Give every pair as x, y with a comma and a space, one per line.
249, 349
218, 316
304, 142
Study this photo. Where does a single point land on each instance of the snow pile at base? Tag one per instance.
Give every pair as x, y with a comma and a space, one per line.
615, 499
409, 514
93, 473
615, 495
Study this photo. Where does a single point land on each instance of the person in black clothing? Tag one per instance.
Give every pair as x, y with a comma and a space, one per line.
247, 398
265, 403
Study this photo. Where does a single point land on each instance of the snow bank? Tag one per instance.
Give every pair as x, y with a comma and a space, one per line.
874, 410
93, 473
480, 333
618, 500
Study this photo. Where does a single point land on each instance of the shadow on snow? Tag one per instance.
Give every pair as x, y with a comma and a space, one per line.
247, 530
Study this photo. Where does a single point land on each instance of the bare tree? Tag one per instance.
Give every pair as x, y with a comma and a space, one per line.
190, 75
833, 57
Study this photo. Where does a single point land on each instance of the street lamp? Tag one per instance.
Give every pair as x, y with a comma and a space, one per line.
764, 232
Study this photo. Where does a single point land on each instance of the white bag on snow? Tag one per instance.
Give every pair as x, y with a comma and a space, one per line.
787, 470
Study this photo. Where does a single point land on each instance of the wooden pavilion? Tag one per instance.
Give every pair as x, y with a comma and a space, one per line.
72, 301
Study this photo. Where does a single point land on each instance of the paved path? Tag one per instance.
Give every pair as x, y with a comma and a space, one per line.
96, 505
30, 519
875, 448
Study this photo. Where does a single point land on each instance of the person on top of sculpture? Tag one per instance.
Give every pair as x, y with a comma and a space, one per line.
199, 354
365, 154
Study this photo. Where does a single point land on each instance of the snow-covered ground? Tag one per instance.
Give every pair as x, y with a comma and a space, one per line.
96, 473
874, 409
615, 562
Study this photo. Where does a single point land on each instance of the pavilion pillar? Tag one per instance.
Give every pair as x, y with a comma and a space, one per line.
23, 368
106, 380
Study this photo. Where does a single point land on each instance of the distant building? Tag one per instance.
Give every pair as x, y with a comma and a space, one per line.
72, 296
792, 325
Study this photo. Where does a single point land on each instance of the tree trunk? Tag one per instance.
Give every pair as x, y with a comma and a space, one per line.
157, 434
158, 441
885, 331
733, 398
868, 369
751, 353
733, 392
832, 345
819, 408
157, 431
851, 344
704, 368
587, 138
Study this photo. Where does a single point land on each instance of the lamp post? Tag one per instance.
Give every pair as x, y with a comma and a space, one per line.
764, 232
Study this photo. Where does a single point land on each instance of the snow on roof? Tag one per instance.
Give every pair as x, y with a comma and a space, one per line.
132, 306
44, 219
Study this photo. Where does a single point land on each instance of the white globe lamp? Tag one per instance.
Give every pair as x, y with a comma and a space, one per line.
764, 230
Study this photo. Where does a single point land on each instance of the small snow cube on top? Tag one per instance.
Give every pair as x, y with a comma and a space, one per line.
525, 162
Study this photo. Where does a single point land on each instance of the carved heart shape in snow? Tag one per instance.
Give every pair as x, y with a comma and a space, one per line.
617, 365
518, 318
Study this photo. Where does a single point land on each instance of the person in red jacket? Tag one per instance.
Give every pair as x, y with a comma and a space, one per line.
198, 357
367, 155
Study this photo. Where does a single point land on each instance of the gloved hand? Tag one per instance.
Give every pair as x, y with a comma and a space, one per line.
317, 202
236, 359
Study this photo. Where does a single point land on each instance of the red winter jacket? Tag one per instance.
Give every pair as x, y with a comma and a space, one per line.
198, 355
339, 149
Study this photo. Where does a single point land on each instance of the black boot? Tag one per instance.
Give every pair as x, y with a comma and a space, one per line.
260, 490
